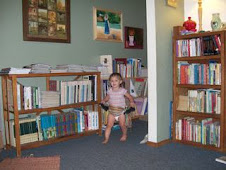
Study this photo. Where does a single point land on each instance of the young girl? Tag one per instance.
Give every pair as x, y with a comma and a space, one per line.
116, 100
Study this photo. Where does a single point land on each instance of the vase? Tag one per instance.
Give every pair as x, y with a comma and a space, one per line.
216, 22
190, 25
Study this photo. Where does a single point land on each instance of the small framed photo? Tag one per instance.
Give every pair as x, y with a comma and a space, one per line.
107, 25
133, 38
46, 20
172, 3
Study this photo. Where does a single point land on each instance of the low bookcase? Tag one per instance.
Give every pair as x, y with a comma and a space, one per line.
17, 103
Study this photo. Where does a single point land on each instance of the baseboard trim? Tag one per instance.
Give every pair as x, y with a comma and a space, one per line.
152, 144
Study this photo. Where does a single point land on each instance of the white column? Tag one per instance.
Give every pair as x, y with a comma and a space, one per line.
152, 71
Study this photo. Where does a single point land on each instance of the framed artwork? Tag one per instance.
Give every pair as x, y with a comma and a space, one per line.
172, 3
46, 20
107, 25
133, 38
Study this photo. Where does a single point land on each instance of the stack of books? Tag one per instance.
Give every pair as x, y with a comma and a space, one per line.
39, 68
50, 99
12, 70
77, 68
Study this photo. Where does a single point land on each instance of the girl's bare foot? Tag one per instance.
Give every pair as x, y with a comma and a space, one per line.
105, 141
123, 138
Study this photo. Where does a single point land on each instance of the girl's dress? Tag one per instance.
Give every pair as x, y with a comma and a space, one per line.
106, 27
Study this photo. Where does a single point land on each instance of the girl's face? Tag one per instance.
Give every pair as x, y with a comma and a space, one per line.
115, 82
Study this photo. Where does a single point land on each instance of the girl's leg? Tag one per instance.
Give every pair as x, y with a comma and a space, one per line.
122, 123
111, 120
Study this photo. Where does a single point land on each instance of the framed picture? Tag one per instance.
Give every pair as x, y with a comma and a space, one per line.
133, 38
172, 3
107, 25
46, 20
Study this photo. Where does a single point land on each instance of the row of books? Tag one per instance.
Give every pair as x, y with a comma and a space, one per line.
28, 131
206, 131
209, 45
46, 126
75, 91
61, 93
33, 97
204, 101
127, 67
197, 73
75, 121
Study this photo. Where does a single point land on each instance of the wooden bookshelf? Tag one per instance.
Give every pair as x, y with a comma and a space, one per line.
184, 88
7, 111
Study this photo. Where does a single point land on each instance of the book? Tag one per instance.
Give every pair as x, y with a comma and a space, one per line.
106, 62
139, 104
120, 66
221, 159
183, 103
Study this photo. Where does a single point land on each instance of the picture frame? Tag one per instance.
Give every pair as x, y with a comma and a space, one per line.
46, 20
172, 3
133, 37
107, 25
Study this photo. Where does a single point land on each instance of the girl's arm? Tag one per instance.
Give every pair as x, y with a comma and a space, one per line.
132, 104
106, 98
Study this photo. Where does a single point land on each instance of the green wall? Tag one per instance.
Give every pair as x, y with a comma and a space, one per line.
83, 49
166, 18
14, 52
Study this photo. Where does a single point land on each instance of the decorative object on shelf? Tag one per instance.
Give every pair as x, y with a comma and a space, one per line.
216, 22
190, 25
48, 22
172, 3
133, 38
200, 14
107, 25
223, 26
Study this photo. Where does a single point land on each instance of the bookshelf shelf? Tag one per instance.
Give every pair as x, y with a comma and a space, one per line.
199, 114
210, 147
199, 84
16, 112
199, 58
56, 140
57, 108
195, 35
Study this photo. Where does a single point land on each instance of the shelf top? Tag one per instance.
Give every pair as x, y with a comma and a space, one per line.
177, 35
50, 74
210, 57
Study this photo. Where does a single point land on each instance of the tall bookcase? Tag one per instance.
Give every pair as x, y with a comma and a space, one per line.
199, 90
13, 78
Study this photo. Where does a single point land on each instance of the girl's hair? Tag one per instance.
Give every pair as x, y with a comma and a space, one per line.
118, 75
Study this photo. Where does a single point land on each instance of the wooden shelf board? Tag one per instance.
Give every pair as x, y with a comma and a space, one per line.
30, 75
211, 147
210, 57
57, 108
56, 140
198, 86
196, 35
198, 114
